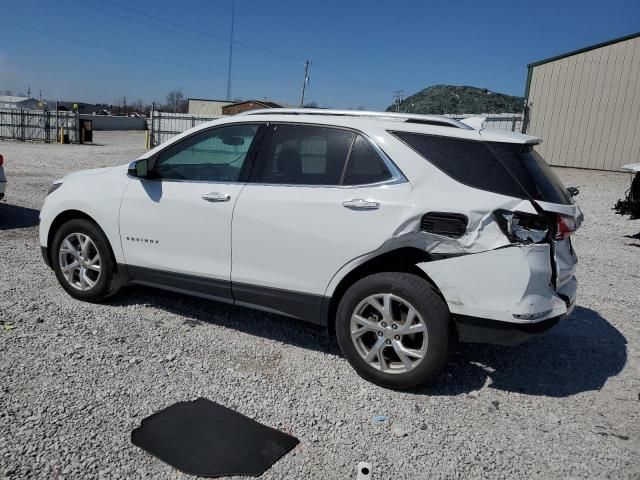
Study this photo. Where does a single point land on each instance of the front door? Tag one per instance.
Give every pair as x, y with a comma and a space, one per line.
175, 226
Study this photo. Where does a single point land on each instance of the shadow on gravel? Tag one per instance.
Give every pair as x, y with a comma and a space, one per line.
580, 354
198, 312
13, 216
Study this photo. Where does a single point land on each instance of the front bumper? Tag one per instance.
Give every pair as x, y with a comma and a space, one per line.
45, 255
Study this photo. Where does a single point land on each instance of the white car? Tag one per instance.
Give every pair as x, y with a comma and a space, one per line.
3, 178
399, 233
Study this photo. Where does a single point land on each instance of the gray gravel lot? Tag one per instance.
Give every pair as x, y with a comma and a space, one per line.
77, 377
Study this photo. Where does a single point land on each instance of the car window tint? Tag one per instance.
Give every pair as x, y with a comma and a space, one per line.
467, 161
510, 169
215, 155
365, 165
306, 155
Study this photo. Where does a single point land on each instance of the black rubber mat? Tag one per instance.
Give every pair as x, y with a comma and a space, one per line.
206, 439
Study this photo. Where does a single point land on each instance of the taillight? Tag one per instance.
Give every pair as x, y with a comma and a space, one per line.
1, 160
520, 227
565, 226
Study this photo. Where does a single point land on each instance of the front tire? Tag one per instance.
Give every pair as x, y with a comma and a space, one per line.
394, 329
83, 261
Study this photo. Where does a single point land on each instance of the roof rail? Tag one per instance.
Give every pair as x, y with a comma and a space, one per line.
437, 120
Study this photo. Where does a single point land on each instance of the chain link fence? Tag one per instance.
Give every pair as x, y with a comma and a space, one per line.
39, 125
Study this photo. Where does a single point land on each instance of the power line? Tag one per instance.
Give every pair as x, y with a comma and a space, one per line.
78, 41
138, 20
242, 44
353, 80
200, 32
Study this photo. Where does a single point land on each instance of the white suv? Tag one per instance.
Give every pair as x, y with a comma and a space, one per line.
399, 233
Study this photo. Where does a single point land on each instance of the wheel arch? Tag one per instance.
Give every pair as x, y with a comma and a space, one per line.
64, 217
403, 259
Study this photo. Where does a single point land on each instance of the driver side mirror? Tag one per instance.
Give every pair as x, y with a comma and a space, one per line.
139, 169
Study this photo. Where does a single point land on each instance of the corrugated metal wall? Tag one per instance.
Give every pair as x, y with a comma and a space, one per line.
207, 107
586, 107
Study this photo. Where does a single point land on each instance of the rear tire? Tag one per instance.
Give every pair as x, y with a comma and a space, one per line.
83, 262
394, 329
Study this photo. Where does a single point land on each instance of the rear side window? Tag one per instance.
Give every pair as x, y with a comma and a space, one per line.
509, 169
306, 155
365, 165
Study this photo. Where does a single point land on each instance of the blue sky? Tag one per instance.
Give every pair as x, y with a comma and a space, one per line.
361, 51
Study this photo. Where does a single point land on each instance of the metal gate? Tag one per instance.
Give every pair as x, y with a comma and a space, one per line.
38, 125
162, 126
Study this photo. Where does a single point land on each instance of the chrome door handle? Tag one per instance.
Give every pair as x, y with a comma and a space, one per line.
360, 204
216, 197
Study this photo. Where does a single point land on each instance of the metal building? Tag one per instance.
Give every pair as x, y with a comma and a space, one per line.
585, 105
204, 106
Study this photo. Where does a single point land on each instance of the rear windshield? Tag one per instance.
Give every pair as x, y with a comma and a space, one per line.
509, 169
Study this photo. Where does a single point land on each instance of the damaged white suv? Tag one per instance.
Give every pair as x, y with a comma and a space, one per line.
399, 233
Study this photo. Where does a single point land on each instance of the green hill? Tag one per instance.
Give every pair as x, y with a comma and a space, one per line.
439, 99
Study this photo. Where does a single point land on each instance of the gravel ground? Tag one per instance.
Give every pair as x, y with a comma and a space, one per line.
77, 377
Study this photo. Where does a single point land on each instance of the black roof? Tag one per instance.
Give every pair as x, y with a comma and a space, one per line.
209, 100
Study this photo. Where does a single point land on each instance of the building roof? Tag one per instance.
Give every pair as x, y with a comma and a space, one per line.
12, 98
257, 102
585, 49
209, 100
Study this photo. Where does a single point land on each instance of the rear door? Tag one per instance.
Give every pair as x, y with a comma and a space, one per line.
319, 197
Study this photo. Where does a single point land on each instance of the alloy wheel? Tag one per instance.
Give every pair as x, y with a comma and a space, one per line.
80, 261
389, 333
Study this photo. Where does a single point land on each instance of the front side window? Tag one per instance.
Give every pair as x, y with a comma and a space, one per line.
306, 155
216, 155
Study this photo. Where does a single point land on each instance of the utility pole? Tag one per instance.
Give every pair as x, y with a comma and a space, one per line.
40, 94
29, 92
306, 81
233, 16
124, 105
398, 97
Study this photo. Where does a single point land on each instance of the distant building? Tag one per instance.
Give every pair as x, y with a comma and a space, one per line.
69, 106
239, 107
26, 103
585, 105
203, 106
11, 101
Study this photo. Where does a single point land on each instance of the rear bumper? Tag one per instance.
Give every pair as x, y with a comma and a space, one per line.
482, 330
503, 296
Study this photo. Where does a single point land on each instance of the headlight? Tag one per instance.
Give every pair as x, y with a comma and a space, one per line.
54, 187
